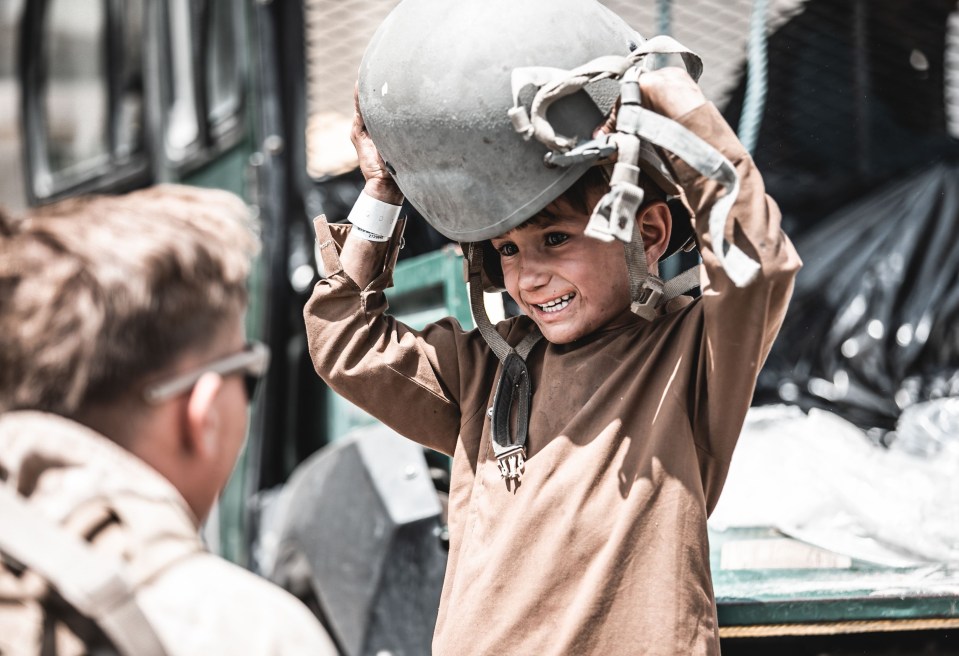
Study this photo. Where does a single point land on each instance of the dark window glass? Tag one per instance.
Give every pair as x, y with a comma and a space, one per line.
11, 183
183, 129
85, 96
223, 69
129, 130
76, 98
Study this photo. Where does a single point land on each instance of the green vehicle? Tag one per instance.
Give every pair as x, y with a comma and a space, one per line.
835, 99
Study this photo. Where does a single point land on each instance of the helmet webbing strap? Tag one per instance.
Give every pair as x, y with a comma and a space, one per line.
555, 83
509, 414
647, 291
633, 120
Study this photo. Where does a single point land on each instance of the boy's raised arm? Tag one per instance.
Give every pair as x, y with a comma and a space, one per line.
740, 323
408, 379
362, 259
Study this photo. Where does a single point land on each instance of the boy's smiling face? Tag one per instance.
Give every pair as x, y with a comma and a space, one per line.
569, 284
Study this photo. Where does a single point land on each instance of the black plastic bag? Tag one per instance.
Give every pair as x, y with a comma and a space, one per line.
873, 326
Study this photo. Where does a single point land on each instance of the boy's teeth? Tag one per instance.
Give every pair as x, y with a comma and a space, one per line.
556, 304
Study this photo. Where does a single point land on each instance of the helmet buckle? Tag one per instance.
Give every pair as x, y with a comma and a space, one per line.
588, 152
650, 294
615, 213
519, 117
511, 461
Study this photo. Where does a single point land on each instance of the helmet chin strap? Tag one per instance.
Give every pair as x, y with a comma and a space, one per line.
614, 216
648, 291
509, 414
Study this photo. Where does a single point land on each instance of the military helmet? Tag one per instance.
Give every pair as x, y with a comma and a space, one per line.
436, 89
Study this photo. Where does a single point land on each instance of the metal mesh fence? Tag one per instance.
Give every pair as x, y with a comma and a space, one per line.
844, 94
337, 32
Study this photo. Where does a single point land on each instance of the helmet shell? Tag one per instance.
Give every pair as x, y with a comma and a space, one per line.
435, 90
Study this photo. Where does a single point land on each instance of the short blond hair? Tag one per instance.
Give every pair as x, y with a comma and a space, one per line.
97, 292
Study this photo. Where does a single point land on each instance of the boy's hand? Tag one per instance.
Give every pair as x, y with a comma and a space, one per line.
379, 183
670, 91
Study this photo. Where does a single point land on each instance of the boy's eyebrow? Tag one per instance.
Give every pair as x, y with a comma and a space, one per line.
540, 220
537, 221
544, 219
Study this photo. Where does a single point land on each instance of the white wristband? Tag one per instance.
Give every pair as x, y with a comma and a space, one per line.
373, 219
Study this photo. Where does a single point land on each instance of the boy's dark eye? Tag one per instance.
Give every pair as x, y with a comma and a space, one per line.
507, 249
556, 238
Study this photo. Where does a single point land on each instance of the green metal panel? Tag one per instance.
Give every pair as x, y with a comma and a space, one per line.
430, 287
857, 591
227, 171
230, 171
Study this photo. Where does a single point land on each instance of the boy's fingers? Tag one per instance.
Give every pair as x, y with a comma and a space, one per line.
379, 183
358, 129
359, 125
609, 125
670, 91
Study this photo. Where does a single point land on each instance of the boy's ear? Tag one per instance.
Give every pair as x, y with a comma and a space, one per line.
655, 224
202, 433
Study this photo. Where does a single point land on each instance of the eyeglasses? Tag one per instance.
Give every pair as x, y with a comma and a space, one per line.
252, 362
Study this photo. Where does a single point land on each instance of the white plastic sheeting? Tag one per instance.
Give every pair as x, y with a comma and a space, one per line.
819, 479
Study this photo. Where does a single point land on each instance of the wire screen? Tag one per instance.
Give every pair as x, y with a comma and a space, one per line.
833, 97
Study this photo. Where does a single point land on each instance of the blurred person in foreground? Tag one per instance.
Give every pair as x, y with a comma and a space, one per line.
125, 379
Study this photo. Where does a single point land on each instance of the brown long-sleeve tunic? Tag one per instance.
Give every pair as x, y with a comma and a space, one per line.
602, 549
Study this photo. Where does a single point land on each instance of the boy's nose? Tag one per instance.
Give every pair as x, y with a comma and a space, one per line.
532, 275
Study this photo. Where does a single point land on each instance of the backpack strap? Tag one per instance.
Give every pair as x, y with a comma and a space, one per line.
93, 585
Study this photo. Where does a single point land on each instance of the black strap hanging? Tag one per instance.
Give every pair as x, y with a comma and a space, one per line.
509, 415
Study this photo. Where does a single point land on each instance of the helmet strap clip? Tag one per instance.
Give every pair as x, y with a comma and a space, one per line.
615, 214
651, 294
588, 152
509, 414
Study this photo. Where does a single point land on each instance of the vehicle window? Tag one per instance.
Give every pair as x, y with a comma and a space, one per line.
202, 73
128, 130
83, 96
223, 67
11, 183
76, 98
183, 129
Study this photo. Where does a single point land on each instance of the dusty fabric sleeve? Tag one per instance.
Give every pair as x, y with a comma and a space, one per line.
740, 324
408, 379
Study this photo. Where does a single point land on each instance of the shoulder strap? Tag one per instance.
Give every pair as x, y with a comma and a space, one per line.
90, 583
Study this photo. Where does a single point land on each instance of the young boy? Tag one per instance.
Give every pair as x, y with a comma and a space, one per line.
602, 546
125, 380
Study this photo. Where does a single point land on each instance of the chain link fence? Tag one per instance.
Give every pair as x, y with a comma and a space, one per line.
834, 97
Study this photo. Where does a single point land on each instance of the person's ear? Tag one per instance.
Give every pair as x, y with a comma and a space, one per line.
203, 417
655, 223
